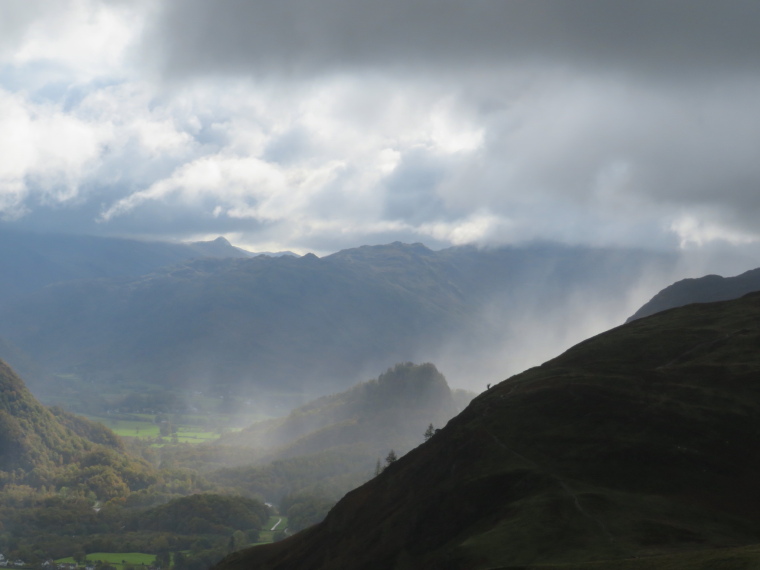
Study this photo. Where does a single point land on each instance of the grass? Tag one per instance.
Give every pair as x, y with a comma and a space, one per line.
743, 558
146, 428
116, 559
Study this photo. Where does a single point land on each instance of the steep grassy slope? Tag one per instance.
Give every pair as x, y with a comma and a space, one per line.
707, 289
638, 442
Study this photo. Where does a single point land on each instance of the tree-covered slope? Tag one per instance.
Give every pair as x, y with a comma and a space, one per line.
391, 411
30, 435
333, 444
40, 447
638, 442
707, 289
205, 513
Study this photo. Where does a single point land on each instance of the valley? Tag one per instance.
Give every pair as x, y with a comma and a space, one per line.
169, 486
218, 404
379, 285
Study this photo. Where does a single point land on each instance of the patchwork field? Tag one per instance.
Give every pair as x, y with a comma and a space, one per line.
190, 430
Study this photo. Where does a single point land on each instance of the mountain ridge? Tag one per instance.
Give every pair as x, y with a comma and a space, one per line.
304, 325
32, 261
706, 289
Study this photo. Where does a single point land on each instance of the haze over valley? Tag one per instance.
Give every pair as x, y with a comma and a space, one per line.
324, 284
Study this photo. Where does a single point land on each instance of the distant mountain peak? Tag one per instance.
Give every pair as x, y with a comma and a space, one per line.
219, 247
707, 289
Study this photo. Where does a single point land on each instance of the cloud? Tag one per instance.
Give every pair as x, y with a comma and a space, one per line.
307, 37
47, 155
326, 123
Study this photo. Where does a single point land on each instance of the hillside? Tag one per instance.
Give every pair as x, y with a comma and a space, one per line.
30, 436
31, 261
293, 328
331, 445
390, 412
40, 447
707, 289
635, 443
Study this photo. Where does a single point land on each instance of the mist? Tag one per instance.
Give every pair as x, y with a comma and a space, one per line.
539, 320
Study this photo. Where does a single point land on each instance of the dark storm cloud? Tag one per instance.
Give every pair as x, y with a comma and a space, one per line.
679, 37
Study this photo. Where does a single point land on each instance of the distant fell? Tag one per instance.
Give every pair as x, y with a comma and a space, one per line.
389, 412
633, 449
331, 445
705, 289
31, 261
220, 247
292, 326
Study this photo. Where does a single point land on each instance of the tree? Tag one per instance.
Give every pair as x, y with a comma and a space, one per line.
429, 432
180, 560
391, 457
79, 557
378, 468
163, 560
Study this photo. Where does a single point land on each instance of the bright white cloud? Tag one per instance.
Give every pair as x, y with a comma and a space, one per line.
483, 137
46, 153
693, 231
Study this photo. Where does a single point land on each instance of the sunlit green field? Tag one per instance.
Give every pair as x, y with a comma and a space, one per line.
266, 534
148, 429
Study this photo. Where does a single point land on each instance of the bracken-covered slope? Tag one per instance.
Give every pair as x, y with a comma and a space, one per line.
707, 289
54, 448
30, 435
640, 442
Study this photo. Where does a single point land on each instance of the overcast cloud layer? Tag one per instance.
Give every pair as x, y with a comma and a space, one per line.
314, 125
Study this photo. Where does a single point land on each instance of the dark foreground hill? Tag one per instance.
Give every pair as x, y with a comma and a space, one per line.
309, 326
707, 289
640, 442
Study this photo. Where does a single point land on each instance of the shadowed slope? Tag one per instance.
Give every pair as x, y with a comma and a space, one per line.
640, 441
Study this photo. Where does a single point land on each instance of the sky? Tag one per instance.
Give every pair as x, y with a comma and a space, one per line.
316, 125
